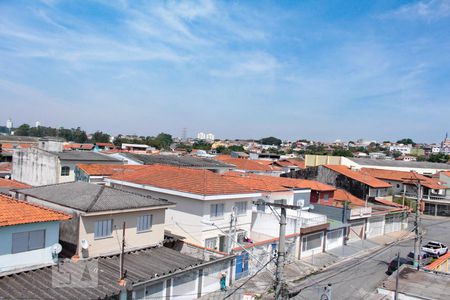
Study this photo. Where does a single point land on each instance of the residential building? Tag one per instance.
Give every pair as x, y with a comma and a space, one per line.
403, 149
28, 234
204, 201
96, 173
201, 136
78, 147
5, 169
99, 215
289, 165
49, 164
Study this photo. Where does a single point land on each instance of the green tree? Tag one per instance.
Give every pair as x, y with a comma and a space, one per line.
202, 145
164, 140
438, 158
270, 141
22, 130
100, 137
342, 152
396, 154
406, 141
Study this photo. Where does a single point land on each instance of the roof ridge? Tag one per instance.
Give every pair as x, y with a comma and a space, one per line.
97, 196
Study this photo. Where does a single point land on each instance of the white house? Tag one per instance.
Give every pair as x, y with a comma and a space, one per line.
207, 205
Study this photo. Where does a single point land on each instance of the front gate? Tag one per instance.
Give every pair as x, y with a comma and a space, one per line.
241, 265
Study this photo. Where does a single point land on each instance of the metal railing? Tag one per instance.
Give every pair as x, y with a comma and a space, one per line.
426, 197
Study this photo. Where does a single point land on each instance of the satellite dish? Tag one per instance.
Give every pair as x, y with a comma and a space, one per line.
56, 248
84, 244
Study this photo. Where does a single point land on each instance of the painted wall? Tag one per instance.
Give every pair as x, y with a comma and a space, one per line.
9, 261
35, 167
189, 216
112, 244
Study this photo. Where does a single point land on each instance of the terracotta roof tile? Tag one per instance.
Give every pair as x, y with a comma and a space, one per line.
343, 195
272, 183
358, 176
194, 181
15, 212
405, 177
9, 183
107, 169
5, 167
247, 164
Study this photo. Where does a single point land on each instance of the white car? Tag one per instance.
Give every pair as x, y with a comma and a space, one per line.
435, 248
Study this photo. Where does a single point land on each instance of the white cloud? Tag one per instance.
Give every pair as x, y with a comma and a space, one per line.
426, 10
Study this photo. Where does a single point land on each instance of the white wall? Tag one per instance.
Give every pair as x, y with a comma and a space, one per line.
35, 167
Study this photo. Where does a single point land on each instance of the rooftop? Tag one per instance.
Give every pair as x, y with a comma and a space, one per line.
107, 169
89, 197
419, 284
15, 138
246, 164
179, 161
400, 163
272, 183
84, 156
342, 196
10, 183
16, 212
194, 181
140, 266
358, 176
402, 176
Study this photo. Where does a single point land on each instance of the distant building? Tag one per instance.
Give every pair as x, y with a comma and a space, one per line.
210, 137
201, 136
403, 149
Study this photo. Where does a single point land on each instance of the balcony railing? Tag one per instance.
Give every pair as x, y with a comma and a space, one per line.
427, 197
360, 212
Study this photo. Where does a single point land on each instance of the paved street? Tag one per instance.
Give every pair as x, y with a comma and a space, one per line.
357, 278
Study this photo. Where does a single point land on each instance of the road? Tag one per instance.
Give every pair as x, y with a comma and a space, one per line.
358, 278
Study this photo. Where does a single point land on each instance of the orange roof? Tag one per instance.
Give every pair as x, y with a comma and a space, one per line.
272, 183
5, 167
194, 181
246, 164
13, 146
388, 202
107, 169
291, 162
358, 176
343, 195
15, 212
9, 183
405, 177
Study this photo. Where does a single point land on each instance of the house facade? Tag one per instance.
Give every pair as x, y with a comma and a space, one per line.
28, 235
100, 215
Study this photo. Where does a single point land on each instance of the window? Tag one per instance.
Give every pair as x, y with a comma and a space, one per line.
144, 223
27, 241
211, 243
312, 241
65, 171
325, 197
261, 207
241, 208
217, 210
103, 229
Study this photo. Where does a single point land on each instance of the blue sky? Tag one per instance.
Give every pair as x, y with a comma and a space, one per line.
240, 69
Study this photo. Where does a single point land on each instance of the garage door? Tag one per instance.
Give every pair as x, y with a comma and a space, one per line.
185, 286
356, 231
375, 227
312, 244
335, 239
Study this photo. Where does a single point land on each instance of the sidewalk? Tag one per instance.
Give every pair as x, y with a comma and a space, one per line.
299, 269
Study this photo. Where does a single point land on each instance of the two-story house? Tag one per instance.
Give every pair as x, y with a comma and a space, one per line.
206, 202
99, 215
28, 234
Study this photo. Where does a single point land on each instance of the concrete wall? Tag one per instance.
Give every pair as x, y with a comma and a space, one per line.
445, 179
9, 261
35, 167
318, 160
189, 216
334, 213
112, 244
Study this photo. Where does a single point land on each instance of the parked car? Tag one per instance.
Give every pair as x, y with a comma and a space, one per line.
435, 248
394, 263
426, 257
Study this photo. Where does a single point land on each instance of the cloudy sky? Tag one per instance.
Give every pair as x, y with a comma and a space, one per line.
240, 69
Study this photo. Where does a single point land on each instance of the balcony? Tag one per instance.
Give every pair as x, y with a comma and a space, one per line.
430, 198
360, 212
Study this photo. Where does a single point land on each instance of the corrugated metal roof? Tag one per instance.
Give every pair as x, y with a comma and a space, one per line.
396, 163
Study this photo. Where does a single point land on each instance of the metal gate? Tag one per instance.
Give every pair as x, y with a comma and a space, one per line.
356, 231
376, 227
241, 265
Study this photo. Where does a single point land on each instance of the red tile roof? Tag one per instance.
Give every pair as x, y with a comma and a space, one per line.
291, 162
15, 212
405, 177
194, 181
272, 183
342, 196
246, 164
107, 169
9, 183
358, 176
78, 146
5, 167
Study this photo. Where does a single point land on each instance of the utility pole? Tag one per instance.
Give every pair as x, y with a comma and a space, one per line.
280, 291
396, 276
122, 252
230, 232
417, 229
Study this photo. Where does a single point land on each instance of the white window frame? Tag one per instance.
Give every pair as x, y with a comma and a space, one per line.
103, 229
213, 241
239, 206
144, 223
213, 211
28, 246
